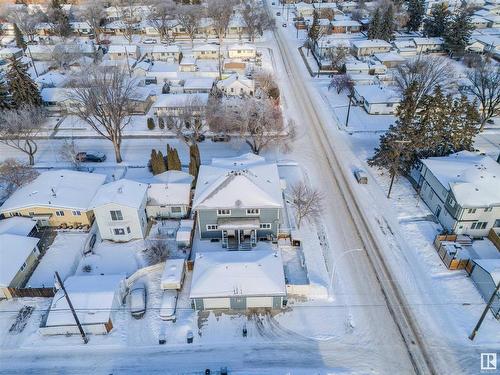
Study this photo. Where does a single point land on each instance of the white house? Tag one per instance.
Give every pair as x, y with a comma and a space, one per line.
377, 100
462, 190
236, 84
59, 100
405, 47
120, 210
170, 53
303, 9
370, 47
238, 280
172, 104
169, 195
357, 67
241, 51
96, 299
198, 85
121, 51
206, 52
426, 45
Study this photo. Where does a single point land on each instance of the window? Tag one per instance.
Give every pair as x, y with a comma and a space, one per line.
471, 211
479, 225
212, 227
253, 211
265, 226
224, 212
128, 229
497, 223
76, 213
119, 231
31, 214
23, 266
488, 209
59, 213
175, 210
116, 215
452, 202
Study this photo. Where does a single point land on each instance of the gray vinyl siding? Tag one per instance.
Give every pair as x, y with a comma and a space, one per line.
267, 215
277, 302
238, 303
453, 211
486, 285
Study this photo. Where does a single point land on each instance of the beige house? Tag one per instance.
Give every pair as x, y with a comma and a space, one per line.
19, 256
236, 85
370, 47
56, 198
206, 52
121, 51
166, 53
242, 51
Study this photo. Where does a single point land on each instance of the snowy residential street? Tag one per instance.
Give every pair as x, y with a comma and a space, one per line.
236, 224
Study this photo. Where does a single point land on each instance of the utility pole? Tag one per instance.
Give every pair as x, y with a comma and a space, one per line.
395, 165
478, 325
32, 61
80, 328
348, 110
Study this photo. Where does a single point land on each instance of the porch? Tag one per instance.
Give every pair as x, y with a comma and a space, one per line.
238, 233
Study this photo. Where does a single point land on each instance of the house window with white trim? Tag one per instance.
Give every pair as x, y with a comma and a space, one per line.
119, 231
488, 209
253, 211
211, 227
59, 213
23, 266
471, 211
175, 210
223, 212
76, 213
265, 226
479, 225
116, 215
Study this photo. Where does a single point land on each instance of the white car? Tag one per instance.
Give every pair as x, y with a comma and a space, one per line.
138, 300
149, 41
168, 305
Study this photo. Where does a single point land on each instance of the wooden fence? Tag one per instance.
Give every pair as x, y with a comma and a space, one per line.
493, 237
31, 292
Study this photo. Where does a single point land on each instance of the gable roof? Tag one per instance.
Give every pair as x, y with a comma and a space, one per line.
122, 192
238, 273
13, 253
20, 226
56, 189
246, 181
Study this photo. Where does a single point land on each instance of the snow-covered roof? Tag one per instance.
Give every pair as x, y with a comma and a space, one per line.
21, 226
206, 47
14, 251
244, 47
169, 188
474, 179
345, 23
56, 189
229, 81
122, 48
166, 49
374, 94
370, 43
238, 273
180, 100
428, 41
122, 192
198, 83
246, 181
52, 78
492, 266
92, 297
56, 94
389, 57
172, 273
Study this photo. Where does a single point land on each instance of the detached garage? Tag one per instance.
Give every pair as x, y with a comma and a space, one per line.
238, 280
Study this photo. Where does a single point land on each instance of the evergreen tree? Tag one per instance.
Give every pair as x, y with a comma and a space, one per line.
59, 17
173, 161
22, 88
437, 23
20, 43
374, 29
388, 26
160, 163
194, 162
5, 102
458, 32
416, 11
313, 33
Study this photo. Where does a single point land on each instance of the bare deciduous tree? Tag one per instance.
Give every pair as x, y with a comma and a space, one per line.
93, 12
127, 12
65, 54
14, 174
485, 79
19, 128
157, 250
307, 203
160, 17
341, 83
103, 100
267, 84
189, 17
255, 18
337, 57
187, 121
26, 22
426, 73
68, 152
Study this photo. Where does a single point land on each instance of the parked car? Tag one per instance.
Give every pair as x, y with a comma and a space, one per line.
361, 176
105, 42
91, 156
284, 25
138, 300
221, 138
168, 305
164, 41
278, 13
149, 41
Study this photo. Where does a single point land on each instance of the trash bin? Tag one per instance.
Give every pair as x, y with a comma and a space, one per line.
245, 332
162, 340
190, 337
223, 371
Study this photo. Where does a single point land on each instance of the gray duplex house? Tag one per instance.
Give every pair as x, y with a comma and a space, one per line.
238, 201
462, 190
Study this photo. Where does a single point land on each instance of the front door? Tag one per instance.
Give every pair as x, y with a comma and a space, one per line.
238, 303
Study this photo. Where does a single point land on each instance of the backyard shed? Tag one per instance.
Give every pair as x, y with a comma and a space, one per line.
173, 274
